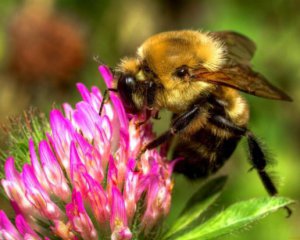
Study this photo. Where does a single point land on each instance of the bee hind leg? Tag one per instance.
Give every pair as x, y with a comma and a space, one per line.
257, 156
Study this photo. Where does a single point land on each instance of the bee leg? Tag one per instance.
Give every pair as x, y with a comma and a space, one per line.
155, 115
155, 143
177, 125
258, 159
105, 97
145, 120
257, 156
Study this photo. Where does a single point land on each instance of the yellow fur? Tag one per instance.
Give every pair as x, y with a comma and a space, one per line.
219, 132
128, 66
206, 153
198, 123
179, 97
237, 108
239, 111
194, 47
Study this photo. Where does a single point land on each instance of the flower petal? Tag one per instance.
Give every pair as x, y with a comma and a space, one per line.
25, 229
118, 221
98, 200
39, 199
14, 186
107, 76
62, 230
79, 218
53, 172
86, 119
90, 157
7, 229
84, 92
62, 134
38, 171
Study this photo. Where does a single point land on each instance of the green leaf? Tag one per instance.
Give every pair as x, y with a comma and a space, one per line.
236, 217
14, 136
197, 204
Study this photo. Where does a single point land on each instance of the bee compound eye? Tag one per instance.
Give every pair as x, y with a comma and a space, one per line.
127, 82
126, 87
182, 72
130, 81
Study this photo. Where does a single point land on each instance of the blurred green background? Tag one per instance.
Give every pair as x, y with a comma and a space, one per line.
41, 72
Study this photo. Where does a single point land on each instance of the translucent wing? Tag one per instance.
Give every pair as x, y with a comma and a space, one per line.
242, 78
240, 49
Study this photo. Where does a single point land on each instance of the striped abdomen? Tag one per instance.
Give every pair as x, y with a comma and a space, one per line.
204, 153
204, 144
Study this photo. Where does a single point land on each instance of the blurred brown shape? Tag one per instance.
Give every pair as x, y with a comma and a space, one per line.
45, 46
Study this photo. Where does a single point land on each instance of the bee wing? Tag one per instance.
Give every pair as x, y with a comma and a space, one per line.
244, 79
239, 48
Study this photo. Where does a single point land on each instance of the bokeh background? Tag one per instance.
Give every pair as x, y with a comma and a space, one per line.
46, 46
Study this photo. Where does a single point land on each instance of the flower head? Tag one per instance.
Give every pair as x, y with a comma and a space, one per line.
83, 181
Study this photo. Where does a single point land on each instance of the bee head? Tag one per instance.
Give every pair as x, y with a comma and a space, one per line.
170, 59
136, 90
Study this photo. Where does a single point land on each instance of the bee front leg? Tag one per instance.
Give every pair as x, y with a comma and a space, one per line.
257, 156
105, 98
155, 143
177, 125
147, 116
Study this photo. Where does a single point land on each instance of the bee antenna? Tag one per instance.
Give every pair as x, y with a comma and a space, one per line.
97, 59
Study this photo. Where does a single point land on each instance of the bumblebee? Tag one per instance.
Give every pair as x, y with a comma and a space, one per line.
197, 76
